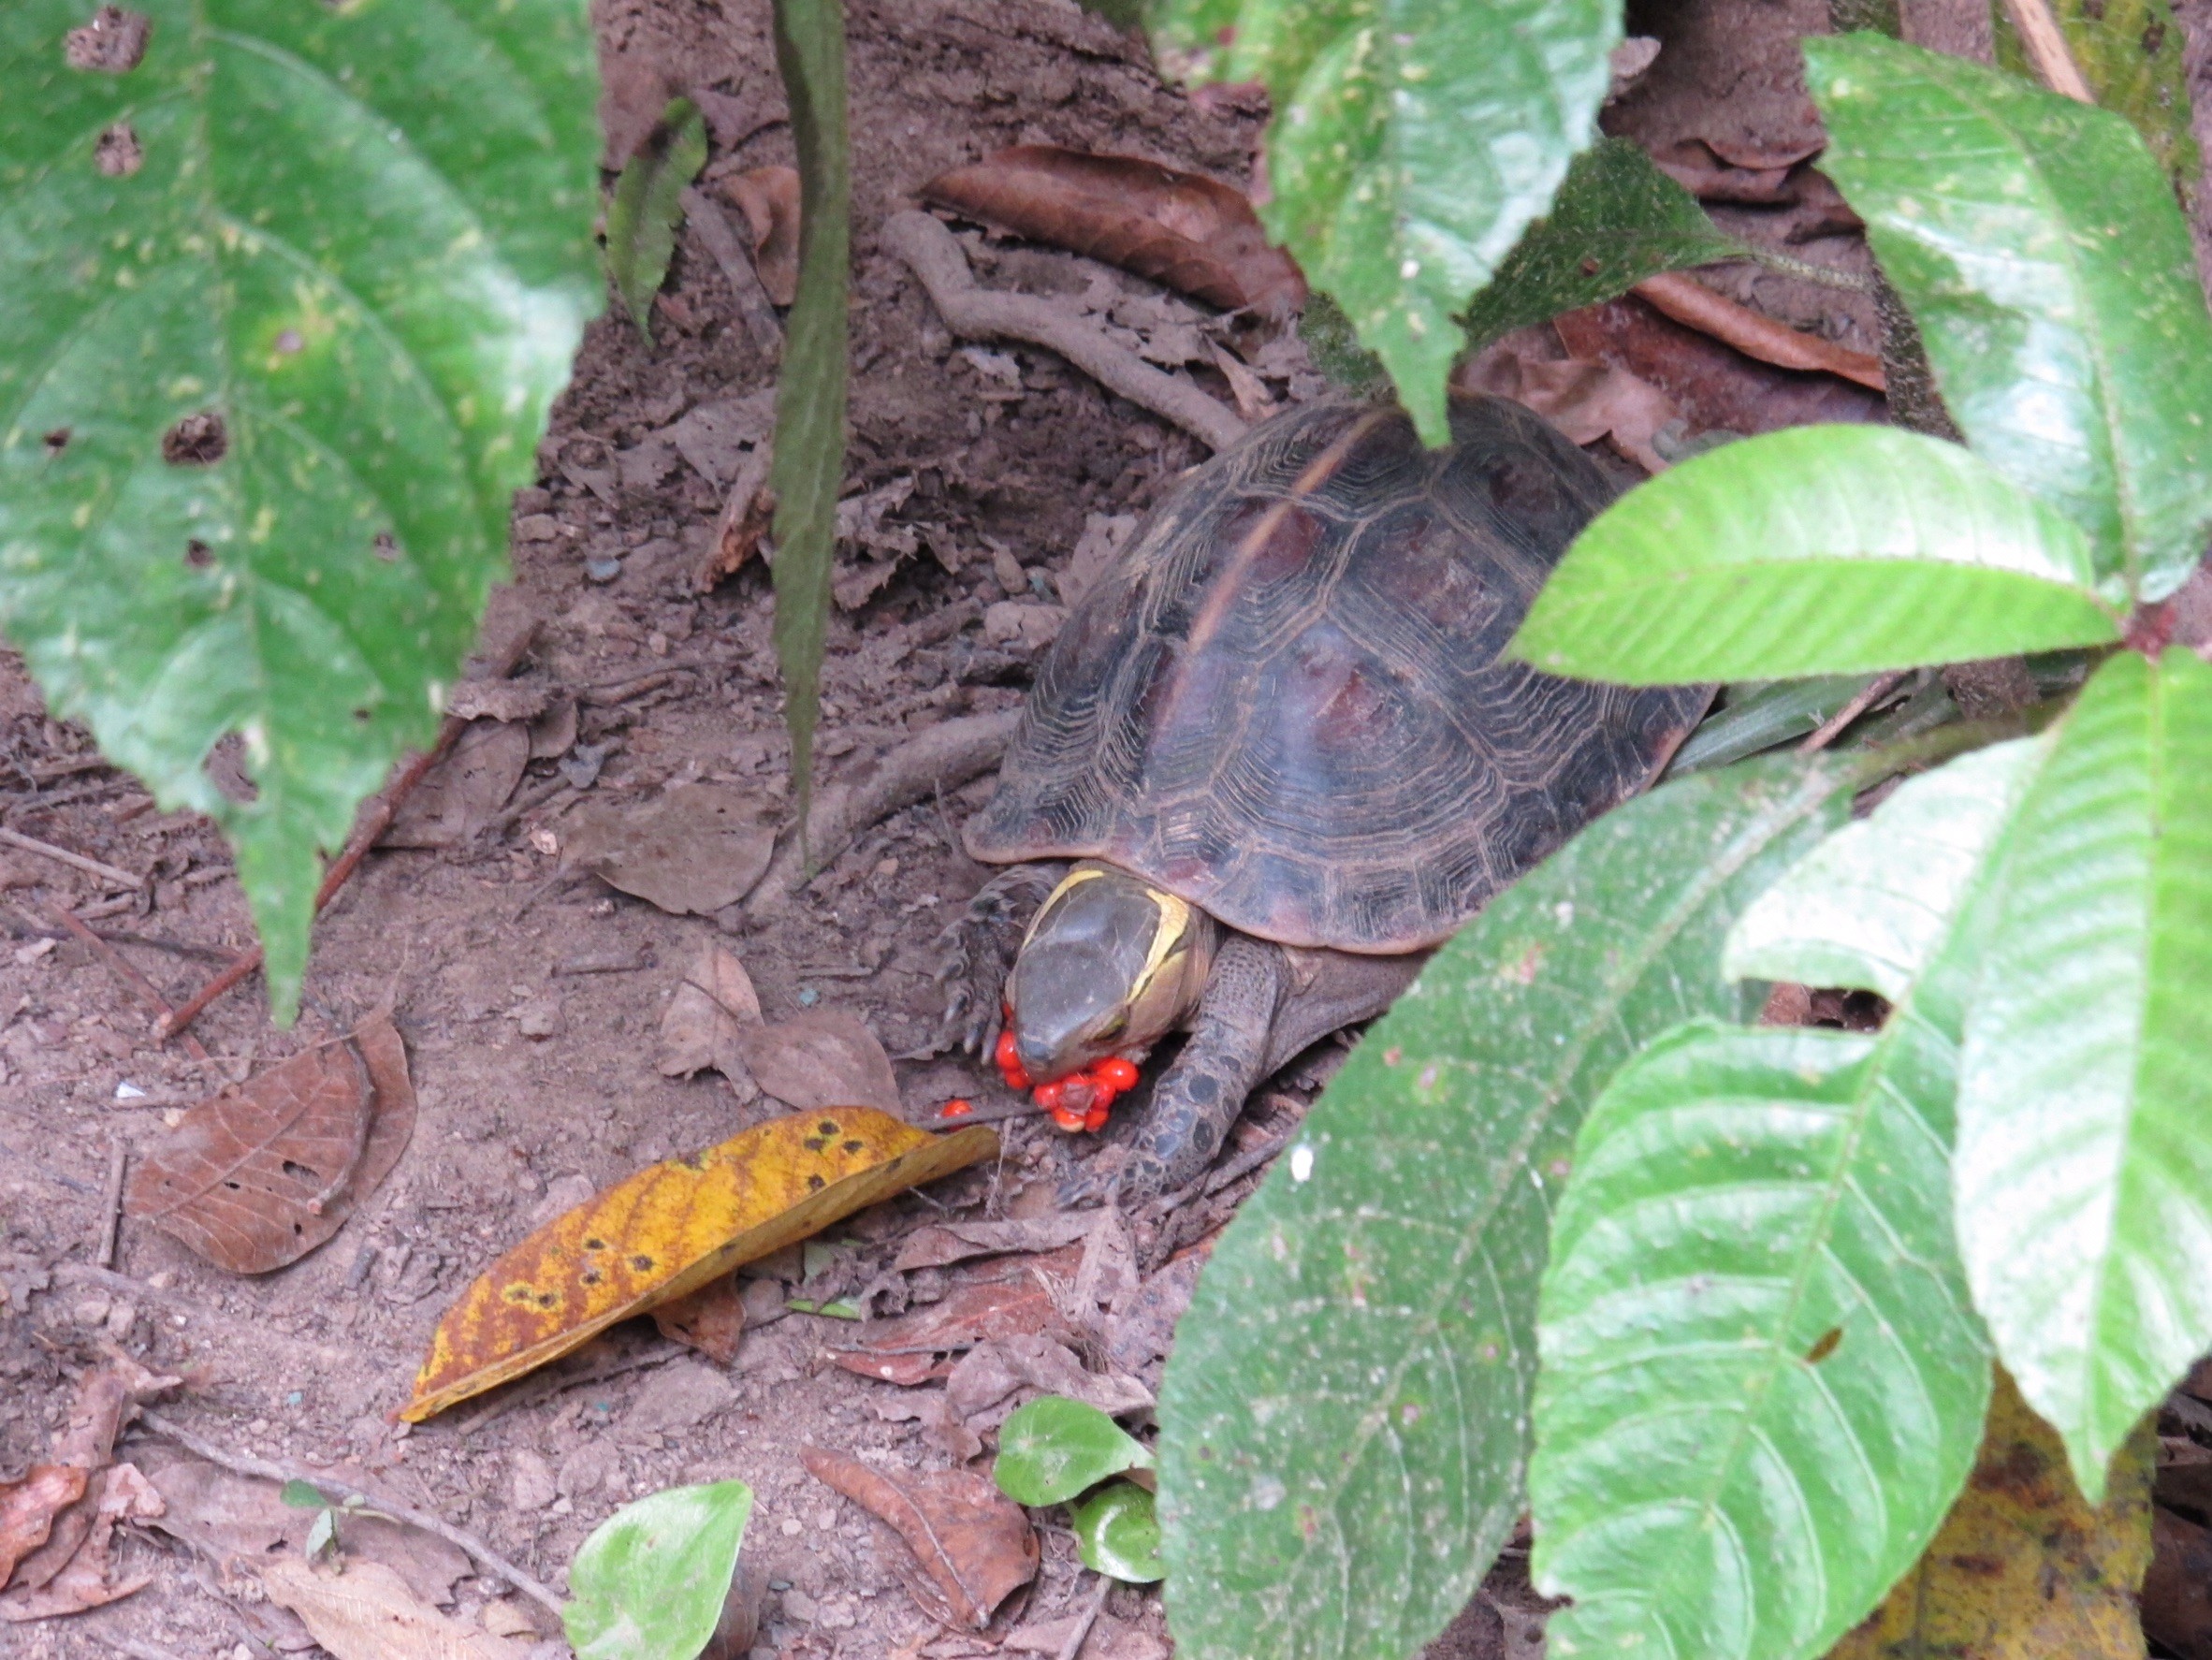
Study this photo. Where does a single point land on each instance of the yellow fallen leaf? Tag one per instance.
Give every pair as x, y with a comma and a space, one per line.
368, 1613
2024, 1568
671, 1228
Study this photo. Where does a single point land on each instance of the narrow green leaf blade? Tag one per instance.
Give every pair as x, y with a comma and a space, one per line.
359, 239
1345, 1420
1817, 550
1117, 1533
650, 1582
1871, 905
2038, 247
1763, 1384
810, 461
1053, 1448
2130, 53
2084, 1108
642, 218
1414, 140
1618, 219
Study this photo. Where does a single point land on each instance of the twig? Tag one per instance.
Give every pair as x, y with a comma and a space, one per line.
1828, 276
2045, 43
267, 1470
1088, 1618
1691, 302
753, 305
124, 971
983, 313
111, 1202
135, 1648
62, 855
1872, 692
949, 753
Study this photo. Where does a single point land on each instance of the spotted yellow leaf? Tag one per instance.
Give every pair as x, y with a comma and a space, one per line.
669, 1229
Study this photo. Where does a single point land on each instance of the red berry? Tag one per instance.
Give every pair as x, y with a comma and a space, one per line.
1095, 1120
1117, 1072
1071, 1121
1051, 1097
956, 1109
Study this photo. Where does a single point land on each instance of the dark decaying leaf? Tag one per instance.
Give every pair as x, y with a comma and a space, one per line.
260, 1175
986, 1300
1189, 232
809, 459
822, 1057
769, 199
941, 1243
710, 1319
461, 794
696, 849
973, 1542
642, 217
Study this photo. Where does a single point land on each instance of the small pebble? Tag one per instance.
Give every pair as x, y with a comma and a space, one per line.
792, 1526
602, 570
808, 997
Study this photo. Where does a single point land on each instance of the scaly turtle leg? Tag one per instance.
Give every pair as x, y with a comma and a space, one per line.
977, 950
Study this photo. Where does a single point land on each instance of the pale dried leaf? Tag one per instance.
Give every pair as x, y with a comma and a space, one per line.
368, 1613
460, 795
701, 1026
822, 1057
941, 1243
694, 849
974, 1544
769, 199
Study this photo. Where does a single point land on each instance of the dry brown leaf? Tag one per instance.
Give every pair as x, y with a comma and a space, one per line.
2177, 1590
2023, 1568
986, 1300
460, 795
1181, 229
973, 1542
28, 1508
996, 1378
497, 700
1690, 302
553, 733
694, 849
117, 1493
1247, 389
769, 199
671, 1228
822, 1057
368, 1613
1145, 1330
1585, 400
259, 1176
701, 1024
710, 1319
631, 95
943, 1243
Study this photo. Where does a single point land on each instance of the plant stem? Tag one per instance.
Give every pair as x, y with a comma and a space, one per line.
2045, 43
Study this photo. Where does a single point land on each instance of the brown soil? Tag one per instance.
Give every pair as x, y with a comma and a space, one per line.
1003, 457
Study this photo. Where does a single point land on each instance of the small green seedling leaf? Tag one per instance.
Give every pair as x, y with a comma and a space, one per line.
642, 218
1818, 550
323, 1534
2038, 247
304, 1495
1117, 1533
836, 1309
650, 1582
1055, 1448
1617, 221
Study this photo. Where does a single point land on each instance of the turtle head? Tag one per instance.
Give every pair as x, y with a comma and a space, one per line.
1110, 965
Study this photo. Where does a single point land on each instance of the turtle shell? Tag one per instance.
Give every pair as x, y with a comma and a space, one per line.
1283, 703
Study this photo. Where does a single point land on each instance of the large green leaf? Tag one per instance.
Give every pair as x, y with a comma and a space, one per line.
809, 462
1618, 219
1762, 1384
357, 237
1344, 1419
1817, 550
651, 1580
1413, 142
2084, 1164
2038, 247
2130, 53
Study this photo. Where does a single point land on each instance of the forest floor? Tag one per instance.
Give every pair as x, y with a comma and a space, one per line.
531, 1004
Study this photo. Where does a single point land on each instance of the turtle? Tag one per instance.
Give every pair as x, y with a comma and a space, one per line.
1272, 759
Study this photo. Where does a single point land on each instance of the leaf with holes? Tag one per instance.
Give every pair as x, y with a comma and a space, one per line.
1345, 1416
1817, 550
290, 295
2084, 1165
642, 217
2037, 245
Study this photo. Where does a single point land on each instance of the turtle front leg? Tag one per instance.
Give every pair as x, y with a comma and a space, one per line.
1198, 1098
977, 950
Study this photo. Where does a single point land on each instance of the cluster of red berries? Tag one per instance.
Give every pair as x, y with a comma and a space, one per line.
1081, 1099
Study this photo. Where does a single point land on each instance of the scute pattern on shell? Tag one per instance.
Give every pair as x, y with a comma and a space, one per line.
1283, 703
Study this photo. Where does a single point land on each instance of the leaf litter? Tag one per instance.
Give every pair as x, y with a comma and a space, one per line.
973, 1544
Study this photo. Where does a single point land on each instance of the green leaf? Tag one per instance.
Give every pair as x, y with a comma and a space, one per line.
1817, 550
650, 1582
642, 218
1871, 905
1335, 348
304, 1495
1055, 1448
1759, 715
1414, 140
810, 461
1762, 1384
1190, 37
1618, 219
358, 236
1117, 1534
2130, 52
2084, 1164
1344, 1419
2038, 247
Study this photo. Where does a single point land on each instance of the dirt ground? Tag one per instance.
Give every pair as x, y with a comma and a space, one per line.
529, 1007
